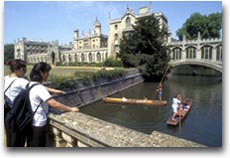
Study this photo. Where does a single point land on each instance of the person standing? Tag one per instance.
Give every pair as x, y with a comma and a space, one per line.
159, 90
175, 105
13, 84
39, 94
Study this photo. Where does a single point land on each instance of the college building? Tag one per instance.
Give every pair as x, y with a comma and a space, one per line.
95, 47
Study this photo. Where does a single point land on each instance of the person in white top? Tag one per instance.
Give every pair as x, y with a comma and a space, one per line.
175, 105
38, 94
13, 84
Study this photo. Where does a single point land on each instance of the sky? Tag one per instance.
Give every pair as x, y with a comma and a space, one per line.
56, 20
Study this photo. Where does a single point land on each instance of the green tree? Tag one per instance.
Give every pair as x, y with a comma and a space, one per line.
8, 52
144, 48
209, 26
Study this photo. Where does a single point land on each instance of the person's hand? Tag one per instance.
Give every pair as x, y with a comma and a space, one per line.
59, 92
74, 109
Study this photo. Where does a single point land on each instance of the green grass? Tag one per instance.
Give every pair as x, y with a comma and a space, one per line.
65, 72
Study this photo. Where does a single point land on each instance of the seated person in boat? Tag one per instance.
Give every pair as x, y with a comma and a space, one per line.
184, 105
124, 99
175, 106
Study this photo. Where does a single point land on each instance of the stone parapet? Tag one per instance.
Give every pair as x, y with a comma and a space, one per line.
73, 129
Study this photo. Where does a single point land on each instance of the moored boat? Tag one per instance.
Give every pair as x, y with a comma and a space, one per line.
182, 114
135, 101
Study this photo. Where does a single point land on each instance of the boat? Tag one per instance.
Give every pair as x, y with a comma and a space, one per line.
182, 112
135, 101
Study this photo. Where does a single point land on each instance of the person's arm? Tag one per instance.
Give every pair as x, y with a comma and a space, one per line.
57, 105
55, 91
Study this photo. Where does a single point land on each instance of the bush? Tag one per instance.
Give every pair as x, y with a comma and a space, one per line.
110, 62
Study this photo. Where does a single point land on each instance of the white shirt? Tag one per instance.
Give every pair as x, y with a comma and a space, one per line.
176, 102
15, 88
39, 94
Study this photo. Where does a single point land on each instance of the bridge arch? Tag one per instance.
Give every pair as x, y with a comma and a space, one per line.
211, 65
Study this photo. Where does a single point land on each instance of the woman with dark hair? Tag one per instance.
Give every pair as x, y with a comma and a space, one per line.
39, 94
13, 84
15, 81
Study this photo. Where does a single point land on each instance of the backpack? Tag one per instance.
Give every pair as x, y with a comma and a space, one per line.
20, 117
7, 101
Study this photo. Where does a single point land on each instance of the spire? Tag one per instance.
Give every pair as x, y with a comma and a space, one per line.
150, 7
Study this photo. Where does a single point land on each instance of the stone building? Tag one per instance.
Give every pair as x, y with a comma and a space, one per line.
123, 26
37, 51
91, 47
95, 47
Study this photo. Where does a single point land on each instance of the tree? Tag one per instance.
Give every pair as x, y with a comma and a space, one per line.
8, 52
209, 26
144, 48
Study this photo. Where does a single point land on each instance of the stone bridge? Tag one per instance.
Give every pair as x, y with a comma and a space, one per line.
213, 65
203, 52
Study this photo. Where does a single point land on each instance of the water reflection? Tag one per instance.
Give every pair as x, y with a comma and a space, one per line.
203, 123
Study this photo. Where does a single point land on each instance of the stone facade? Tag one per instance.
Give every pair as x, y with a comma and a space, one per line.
37, 51
95, 47
204, 52
123, 26
91, 47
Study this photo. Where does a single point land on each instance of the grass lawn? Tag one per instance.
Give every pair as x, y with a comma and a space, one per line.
64, 71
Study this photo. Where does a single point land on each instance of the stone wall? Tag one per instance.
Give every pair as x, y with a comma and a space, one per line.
80, 130
94, 91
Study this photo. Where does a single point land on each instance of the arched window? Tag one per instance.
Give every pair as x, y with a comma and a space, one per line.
82, 58
70, 58
90, 57
63, 58
75, 57
98, 57
219, 53
176, 53
190, 53
128, 22
206, 52
116, 36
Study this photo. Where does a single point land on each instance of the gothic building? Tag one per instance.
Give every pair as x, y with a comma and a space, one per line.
91, 47
37, 51
95, 47
123, 26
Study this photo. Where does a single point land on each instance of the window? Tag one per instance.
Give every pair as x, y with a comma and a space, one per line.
191, 53
128, 22
82, 58
116, 36
219, 53
98, 57
90, 57
206, 52
176, 53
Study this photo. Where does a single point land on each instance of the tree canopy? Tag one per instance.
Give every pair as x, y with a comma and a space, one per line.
8, 52
144, 48
208, 26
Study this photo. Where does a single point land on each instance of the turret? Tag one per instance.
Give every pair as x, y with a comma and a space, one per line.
76, 34
97, 27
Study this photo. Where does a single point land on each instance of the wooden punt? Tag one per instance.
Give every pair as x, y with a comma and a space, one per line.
182, 113
135, 101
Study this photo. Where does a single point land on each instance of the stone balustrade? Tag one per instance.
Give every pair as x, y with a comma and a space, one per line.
75, 129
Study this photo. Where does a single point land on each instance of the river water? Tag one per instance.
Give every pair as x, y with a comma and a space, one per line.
202, 125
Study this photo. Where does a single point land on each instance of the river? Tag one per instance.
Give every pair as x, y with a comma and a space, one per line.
202, 125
